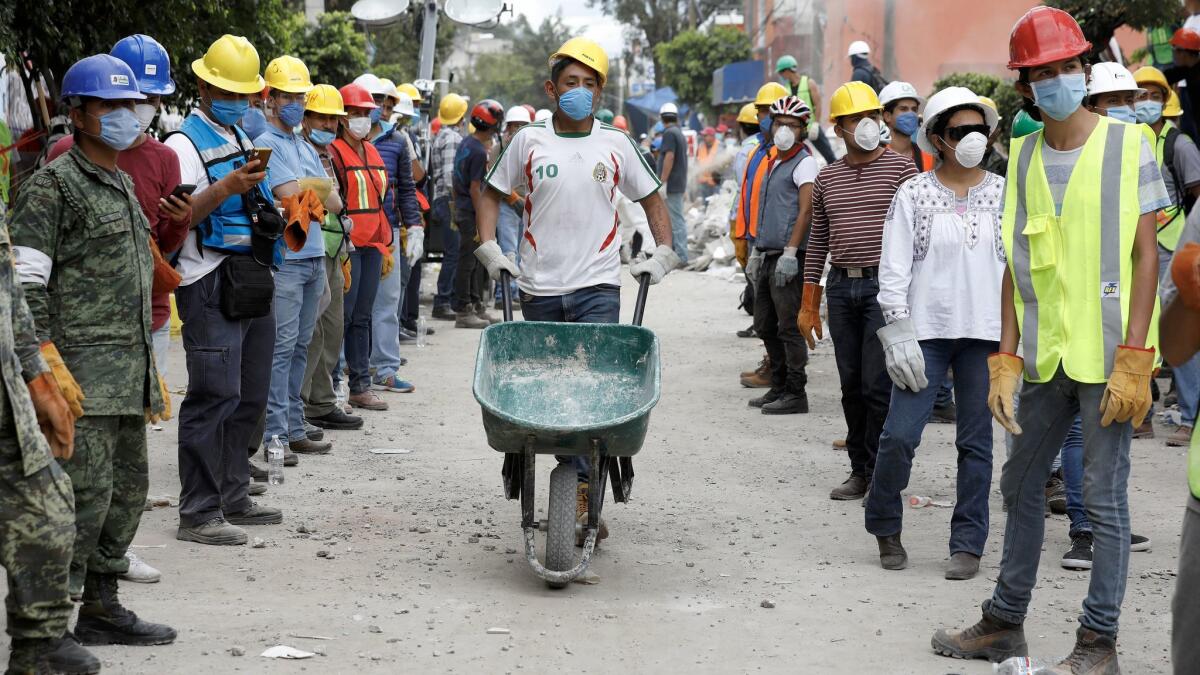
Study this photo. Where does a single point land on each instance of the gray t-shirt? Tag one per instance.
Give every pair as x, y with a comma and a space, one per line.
1185, 165
674, 141
1152, 193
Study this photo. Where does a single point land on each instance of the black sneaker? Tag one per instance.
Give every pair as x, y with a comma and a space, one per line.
748, 333
1056, 493
1138, 543
771, 396
1080, 555
787, 404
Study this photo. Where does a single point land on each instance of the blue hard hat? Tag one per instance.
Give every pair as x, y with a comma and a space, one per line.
149, 62
101, 76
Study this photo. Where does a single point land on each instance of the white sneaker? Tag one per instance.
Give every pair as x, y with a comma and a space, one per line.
139, 571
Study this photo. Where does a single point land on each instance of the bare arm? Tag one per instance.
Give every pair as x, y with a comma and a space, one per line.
804, 218
285, 189
1194, 191
1145, 281
418, 171
656, 214
487, 210
1010, 331
1179, 333
668, 163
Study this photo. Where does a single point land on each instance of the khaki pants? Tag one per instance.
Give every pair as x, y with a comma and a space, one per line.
325, 348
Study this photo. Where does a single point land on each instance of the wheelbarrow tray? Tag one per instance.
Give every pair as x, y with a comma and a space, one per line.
561, 385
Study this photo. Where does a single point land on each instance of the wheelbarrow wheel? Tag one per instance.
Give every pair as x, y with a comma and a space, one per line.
560, 526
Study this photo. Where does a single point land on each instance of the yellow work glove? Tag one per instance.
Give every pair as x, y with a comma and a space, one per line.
1127, 396
741, 251
809, 320
346, 276
388, 263
165, 415
66, 381
1004, 375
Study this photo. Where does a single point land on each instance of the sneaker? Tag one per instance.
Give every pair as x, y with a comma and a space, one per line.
407, 335
470, 320
748, 333
581, 512
139, 572
394, 384
962, 566
990, 639
1094, 654
368, 400
338, 420
1146, 430
788, 404
256, 489
854, 487
314, 432
947, 414
1080, 555
1056, 493
411, 326
443, 313
1181, 437
45, 655
771, 396
215, 531
892, 555
1138, 543
759, 378
256, 514
307, 447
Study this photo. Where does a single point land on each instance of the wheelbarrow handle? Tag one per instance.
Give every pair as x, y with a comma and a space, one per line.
506, 294
639, 309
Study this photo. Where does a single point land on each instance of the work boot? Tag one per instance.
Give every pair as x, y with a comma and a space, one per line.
481, 312
1056, 493
256, 514
854, 487
581, 513
748, 333
839, 444
990, 639
443, 313
258, 474
368, 400
759, 378
50, 655
468, 319
338, 421
1146, 429
256, 489
788, 404
1094, 654
892, 555
214, 531
103, 621
946, 414
1181, 437
962, 566
771, 396
305, 446
313, 432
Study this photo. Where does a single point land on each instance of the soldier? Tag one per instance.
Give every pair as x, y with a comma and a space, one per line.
83, 258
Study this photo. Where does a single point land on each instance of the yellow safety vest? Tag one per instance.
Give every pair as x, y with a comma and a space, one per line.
1171, 219
1073, 273
1194, 465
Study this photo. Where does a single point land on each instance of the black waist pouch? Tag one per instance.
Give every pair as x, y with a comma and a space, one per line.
247, 288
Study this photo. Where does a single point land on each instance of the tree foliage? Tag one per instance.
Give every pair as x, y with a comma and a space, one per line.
397, 48
691, 57
1100, 19
1001, 91
333, 50
659, 21
517, 75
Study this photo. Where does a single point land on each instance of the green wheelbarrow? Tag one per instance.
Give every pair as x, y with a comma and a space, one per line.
572, 389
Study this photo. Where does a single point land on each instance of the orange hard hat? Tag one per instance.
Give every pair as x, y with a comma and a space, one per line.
620, 123
1186, 39
356, 96
1045, 35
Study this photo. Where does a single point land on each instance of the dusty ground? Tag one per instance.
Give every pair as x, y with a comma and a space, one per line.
730, 508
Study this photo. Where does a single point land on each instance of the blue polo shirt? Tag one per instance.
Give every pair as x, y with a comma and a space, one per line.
293, 158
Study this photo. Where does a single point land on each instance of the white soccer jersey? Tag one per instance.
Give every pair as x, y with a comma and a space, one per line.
571, 236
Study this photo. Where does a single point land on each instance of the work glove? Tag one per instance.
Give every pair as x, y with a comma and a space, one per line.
415, 248
814, 131
903, 356
71, 392
346, 275
489, 254
389, 262
155, 418
1127, 396
741, 251
1185, 272
1004, 376
786, 268
809, 320
657, 266
53, 415
754, 267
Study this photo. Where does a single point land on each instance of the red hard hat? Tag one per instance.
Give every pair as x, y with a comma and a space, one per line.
487, 114
620, 123
709, 131
1045, 35
356, 96
1186, 39
722, 129
436, 125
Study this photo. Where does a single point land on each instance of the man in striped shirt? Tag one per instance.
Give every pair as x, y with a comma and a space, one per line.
851, 198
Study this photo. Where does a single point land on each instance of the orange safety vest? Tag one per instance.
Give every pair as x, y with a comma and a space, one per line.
741, 225
363, 188
704, 155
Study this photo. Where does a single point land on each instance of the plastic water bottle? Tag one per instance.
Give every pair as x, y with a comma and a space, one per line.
1021, 665
275, 461
918, 501
342, 394
422, 328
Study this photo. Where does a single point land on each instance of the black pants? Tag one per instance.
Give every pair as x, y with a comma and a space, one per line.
470, 278
775, 312
854, 316
412, 298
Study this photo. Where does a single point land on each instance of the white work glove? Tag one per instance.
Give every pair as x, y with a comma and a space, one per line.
903, 356
754, 266
657, 266
786, 268
490, 255
416, 244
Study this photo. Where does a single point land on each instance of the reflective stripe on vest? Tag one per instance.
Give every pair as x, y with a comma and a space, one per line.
1171, 219
366, 185
1194, 464
1074, 311
756, 169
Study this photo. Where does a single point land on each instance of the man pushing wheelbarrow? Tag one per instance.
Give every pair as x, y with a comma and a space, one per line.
572, 167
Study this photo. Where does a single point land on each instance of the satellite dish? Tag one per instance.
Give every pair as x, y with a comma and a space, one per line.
473, 12
378, 12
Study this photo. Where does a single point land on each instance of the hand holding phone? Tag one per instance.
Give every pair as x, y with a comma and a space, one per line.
263, 155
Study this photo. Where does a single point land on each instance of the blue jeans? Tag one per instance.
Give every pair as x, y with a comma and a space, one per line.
1187, 376
298, 286
1046, 414
1072, 469
908, 414
440, 213
365, 266
385, 316
678, 225
508, 235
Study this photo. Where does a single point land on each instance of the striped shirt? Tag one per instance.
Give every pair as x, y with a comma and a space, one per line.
850, 204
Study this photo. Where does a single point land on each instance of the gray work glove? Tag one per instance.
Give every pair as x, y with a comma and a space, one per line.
786, 268
754, 266
903, 356
491, 257
416, 244
657, 266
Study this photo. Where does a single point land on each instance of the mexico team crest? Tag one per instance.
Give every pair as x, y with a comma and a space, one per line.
600, 173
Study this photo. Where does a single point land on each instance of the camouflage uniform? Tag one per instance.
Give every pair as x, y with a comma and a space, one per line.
83, 257
37, 528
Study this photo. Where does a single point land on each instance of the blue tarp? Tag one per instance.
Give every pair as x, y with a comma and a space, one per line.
642, 112
737, 82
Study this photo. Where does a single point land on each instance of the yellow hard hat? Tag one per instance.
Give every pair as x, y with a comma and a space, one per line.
586, 52
408, 88
1151, 75
769, 93
231, 63
853, 98
748, 115
989, 103
288, 73
451, 109
325, 99
1173, 108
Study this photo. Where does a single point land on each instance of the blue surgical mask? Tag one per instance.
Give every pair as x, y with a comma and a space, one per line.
253, 121
321, 137
764, 125
229, 112
374, 115
576, 103
1123, 113
119, 128
292, 113
1059, 97
907, 123
1148, 112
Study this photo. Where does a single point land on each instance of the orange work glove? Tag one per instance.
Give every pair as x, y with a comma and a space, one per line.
741, 251
53, 415
1185, 272
346, 275
389, 263
1127, 396
1004, 375
66, 381
300, 209
155, 418
809, 320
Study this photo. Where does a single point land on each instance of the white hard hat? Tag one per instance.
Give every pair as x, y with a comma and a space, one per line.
542, 114
390, 89
858, 48
895, 91
668, 109
371, 83
945, 100
404, 104
1108, 76
517, 114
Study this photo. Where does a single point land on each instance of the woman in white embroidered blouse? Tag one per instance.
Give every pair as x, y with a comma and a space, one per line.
939, 289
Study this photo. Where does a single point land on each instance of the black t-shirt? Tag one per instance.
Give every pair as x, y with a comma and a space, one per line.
470, 164
674, 141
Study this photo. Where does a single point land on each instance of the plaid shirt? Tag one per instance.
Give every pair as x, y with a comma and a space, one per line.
441, 160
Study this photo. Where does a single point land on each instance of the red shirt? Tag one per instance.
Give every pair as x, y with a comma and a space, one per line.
154, 169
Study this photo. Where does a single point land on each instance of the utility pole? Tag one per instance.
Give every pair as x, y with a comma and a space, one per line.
889, 39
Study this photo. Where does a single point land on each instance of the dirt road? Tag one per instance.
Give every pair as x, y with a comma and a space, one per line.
405, 561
